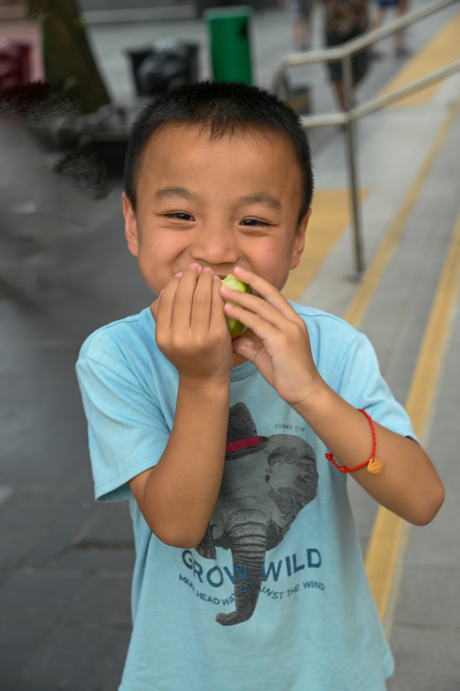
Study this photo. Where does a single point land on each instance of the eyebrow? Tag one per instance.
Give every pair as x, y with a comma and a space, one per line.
262, 198
184, 193
168, 192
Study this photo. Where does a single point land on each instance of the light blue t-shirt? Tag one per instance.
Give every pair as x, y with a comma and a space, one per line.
275, 596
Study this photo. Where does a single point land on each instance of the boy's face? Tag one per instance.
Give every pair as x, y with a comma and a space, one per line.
218, 203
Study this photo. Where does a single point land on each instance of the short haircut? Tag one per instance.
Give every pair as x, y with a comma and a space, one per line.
223, 108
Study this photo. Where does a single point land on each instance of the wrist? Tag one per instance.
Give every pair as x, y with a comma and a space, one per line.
209, 388
317, 402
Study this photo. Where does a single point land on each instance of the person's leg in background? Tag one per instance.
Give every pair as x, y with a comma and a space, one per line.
300, 15
400, 49
374, 24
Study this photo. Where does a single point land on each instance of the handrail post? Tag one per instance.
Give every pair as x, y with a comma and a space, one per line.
351, 145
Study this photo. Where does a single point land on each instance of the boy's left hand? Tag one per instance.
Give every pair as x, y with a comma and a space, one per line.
284, 355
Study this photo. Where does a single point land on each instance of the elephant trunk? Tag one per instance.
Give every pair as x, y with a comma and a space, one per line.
248, 539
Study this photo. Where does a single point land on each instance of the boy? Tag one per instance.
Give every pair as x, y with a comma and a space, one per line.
248, 573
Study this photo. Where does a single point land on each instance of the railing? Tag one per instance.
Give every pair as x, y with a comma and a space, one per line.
352, 113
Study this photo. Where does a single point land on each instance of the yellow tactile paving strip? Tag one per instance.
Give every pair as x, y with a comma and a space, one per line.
384, 544
387, 538
443, 48
427, 369
330, 216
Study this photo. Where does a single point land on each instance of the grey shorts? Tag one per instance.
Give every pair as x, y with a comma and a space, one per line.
359, 61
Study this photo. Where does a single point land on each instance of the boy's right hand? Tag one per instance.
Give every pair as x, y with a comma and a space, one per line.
191, 328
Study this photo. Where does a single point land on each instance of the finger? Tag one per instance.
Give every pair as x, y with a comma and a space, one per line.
265, 289
217, 312
202, 301
262, 328
255, 304
246, 347
182, 307
165, 303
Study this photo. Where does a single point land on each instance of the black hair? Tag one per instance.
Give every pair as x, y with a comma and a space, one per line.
223, 108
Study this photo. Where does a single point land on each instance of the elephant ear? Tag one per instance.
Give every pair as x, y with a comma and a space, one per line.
293, 475
206, 548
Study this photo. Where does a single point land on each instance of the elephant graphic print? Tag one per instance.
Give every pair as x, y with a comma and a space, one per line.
266, 482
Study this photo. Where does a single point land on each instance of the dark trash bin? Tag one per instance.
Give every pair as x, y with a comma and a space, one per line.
163, 65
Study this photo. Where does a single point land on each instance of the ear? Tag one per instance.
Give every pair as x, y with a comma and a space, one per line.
131, 233
299, 240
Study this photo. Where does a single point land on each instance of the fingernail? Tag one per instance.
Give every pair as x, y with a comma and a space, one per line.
179, 274
194, 266
216, 277
207, 270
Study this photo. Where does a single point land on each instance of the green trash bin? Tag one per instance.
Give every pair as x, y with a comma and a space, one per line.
230, 44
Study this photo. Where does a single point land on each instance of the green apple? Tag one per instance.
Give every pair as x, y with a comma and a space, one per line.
235, 327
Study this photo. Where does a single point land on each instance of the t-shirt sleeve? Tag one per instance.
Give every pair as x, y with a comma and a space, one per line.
127, 431
362, 385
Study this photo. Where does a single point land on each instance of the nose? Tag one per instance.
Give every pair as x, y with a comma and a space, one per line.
215, 245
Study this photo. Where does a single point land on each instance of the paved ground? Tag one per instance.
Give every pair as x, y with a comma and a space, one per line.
66, 562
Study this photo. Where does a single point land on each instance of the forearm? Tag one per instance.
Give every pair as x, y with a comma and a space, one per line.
408, 485
178, 495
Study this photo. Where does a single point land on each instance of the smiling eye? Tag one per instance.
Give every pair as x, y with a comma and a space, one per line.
253, 222
181, 216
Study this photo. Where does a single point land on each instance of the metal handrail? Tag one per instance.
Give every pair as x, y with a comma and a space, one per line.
410, 88
381, 101
352, 113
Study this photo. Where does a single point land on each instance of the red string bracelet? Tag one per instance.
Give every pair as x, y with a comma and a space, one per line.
373, 465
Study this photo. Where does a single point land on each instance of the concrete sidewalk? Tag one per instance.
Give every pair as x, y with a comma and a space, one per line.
65, 561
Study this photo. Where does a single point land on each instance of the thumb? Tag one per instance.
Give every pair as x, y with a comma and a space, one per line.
246, 347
